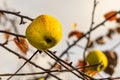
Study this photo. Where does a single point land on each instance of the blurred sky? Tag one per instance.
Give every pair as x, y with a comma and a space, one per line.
68, 12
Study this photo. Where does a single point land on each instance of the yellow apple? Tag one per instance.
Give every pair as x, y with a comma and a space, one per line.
44, 32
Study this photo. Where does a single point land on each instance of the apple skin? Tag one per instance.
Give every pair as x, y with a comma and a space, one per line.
97, 57
44, 32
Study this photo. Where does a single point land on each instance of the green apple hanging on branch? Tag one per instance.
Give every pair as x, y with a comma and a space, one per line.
97, 62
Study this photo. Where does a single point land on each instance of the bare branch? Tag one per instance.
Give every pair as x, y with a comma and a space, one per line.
16, 14
14, 34
58, 59
22, 57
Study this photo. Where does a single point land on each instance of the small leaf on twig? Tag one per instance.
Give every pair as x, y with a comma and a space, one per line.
76, 33
80, 63
90, 44
21, 44
118, 29
58, 67
109, 14
110, 33
118, 20
7, 35
100, 40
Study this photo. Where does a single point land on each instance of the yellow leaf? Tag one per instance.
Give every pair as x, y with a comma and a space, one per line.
74, 25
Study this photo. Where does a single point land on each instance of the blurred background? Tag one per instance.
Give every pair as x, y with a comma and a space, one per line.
68, 12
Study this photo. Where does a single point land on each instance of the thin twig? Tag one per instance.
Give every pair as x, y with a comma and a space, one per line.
56, 59
115, 46
16, 14
23, 65
37, 73
89, 35
80, 46
14, 34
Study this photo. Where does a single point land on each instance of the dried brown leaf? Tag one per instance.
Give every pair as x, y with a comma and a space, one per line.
90, 44
112, 61
100, 40
118, 20
7, 35
110, 33
109, 70
58, 67
109, 14
21, 44
80, 63
76, 33
118, 30
112, 57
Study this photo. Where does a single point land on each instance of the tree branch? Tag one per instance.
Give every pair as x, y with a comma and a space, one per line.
16, 14
37, 73
60, 60
22, 57
14, 34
